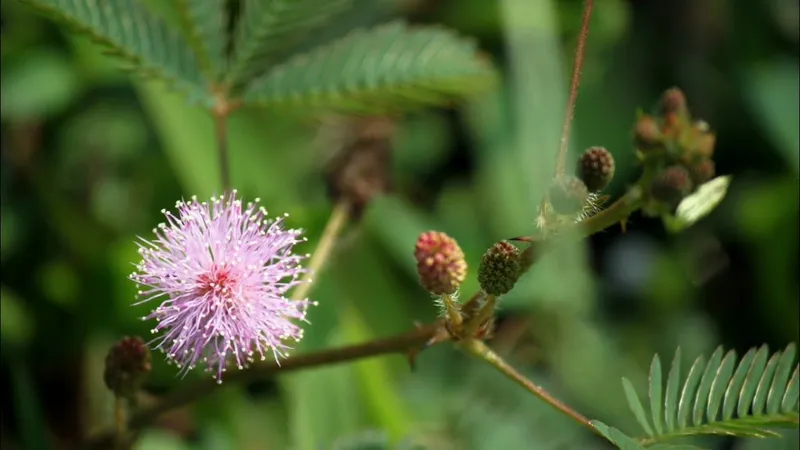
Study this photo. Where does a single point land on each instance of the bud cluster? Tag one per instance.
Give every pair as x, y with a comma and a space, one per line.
676, 151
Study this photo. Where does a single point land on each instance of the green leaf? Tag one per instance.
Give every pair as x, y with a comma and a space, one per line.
756, 395
616, 437
268, 27
689, 390
673, 384
636, 406
205, 23
388, 68
134, 35
698, 205
655, 393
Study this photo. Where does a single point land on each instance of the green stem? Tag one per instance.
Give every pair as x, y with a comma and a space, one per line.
479, 350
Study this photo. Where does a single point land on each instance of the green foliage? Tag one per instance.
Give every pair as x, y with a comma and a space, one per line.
718, 397
205, 25
134, 35
387, 68
268, 27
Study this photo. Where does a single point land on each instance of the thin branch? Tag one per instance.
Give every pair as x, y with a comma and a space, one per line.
588, 6
479, 350
120, 423
336, 222
397, 344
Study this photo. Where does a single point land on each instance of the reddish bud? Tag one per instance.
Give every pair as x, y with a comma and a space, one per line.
500, 268
647, 134
702, 171
671, 186
440, 263
596, 168
127, 366
673, 101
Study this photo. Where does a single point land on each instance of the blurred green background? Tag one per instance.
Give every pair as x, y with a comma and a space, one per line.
89, 157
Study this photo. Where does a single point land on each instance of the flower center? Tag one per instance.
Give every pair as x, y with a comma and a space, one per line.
217, 281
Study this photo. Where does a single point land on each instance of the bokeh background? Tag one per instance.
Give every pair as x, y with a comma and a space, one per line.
90, 156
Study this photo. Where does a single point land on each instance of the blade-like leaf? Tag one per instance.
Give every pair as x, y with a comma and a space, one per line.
751, 382
131, 33
671, 399
705, 386
735, 386
789, 402
721, 380
636, 406
616, 437
205, 22
760, 400
386, 69
655, 393
782, 373
267, 28
689, 389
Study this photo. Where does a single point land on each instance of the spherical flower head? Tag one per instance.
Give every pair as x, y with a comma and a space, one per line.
221, 271
127, 365
500, 268
440, 263
595, 168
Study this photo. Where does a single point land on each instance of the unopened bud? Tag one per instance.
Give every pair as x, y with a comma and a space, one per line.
702, 171
671, 186
647, 134
500, 268
127, 366
596, 168
440, 263
568, 195
673, 101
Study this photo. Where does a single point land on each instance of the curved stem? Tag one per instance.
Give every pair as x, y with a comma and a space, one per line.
396, 344
221, 133
588, 6
337, 220
479, 350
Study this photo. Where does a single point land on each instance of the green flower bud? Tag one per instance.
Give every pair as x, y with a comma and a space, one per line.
500, 268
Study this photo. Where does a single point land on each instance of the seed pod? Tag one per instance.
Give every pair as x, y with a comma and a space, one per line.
440, 263
127, 366
500, 268
595, 168
567, 195
671, 186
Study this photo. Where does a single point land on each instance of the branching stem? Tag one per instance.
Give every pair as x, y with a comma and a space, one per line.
481, 351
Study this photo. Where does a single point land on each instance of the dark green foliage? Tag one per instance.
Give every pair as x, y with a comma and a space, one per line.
388, 68
133, 34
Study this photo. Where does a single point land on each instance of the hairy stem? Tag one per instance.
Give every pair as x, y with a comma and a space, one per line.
481, 351
588, 6
336, 222
397, 344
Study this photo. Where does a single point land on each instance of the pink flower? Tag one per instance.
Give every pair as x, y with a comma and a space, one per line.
221, 272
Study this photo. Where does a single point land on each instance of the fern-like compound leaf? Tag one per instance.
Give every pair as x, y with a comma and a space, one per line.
744, 399
268, 28
386, 69
205, 23
134, 35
